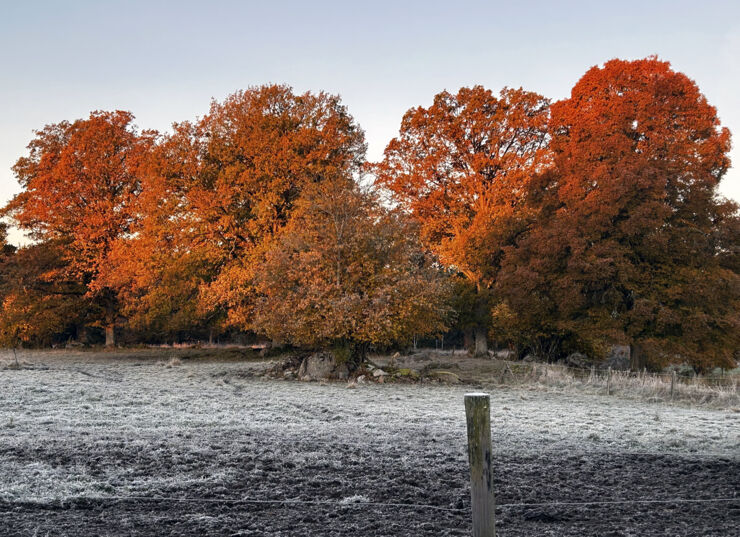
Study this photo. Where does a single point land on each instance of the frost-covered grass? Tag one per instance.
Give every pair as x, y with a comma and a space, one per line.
134, 427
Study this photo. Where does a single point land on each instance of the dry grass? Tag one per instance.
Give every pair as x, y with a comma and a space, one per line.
712, 391
173, 362
718, 392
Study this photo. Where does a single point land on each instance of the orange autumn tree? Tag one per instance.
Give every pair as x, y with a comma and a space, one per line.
347, 272
636, 246
463, 169
214, 195
160, 268
40, 302
79, 181
252, 156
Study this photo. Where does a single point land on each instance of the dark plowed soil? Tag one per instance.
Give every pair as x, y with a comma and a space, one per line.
267, 470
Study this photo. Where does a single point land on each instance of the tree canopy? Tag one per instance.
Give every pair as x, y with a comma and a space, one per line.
346, 270
635, 244
552, 227
463, 169
80, 181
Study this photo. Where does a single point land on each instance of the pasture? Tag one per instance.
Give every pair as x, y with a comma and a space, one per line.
136, 444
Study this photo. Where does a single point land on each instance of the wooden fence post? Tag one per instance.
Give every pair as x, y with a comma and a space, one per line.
478, 415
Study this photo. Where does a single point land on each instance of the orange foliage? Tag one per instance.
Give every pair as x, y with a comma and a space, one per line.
347, 271
463, 168
591, 221
214, 194
634, 243
251, 157
39, 301
80, 181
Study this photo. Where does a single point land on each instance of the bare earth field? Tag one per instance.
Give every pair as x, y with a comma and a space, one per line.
121, 444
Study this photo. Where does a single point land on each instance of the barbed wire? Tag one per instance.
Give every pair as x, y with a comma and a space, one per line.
304, 446
353, 504
620, 502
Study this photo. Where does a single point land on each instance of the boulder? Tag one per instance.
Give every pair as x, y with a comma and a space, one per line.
618, 358
317, 366
444, 376
379, 373
578, 360
407, 373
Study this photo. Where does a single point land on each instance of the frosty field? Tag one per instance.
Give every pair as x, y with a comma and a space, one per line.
108, 445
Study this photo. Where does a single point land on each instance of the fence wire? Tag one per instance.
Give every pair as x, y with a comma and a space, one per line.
356, 504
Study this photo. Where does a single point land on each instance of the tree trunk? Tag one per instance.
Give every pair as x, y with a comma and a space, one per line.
638, 359
358, 356
481, 342
468, 341
483, 320
110, 335
82, 336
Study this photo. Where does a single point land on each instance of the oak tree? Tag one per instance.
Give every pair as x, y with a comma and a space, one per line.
244, 166
79, 180
462, 167
345, 271
159, 269
636, 245
39, 302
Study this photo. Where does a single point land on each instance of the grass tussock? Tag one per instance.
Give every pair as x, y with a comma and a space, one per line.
173, 362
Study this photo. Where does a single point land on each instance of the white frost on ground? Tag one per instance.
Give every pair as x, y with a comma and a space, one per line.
143, 407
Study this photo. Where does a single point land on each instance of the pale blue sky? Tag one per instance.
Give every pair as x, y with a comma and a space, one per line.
164, 61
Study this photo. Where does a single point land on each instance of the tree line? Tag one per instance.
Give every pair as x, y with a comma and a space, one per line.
547, 227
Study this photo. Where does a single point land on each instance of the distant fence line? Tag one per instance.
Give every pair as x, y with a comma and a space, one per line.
532, 370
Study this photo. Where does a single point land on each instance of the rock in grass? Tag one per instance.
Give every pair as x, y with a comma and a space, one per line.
578, 360
317, 366
447, 377
618, 358
407, 373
